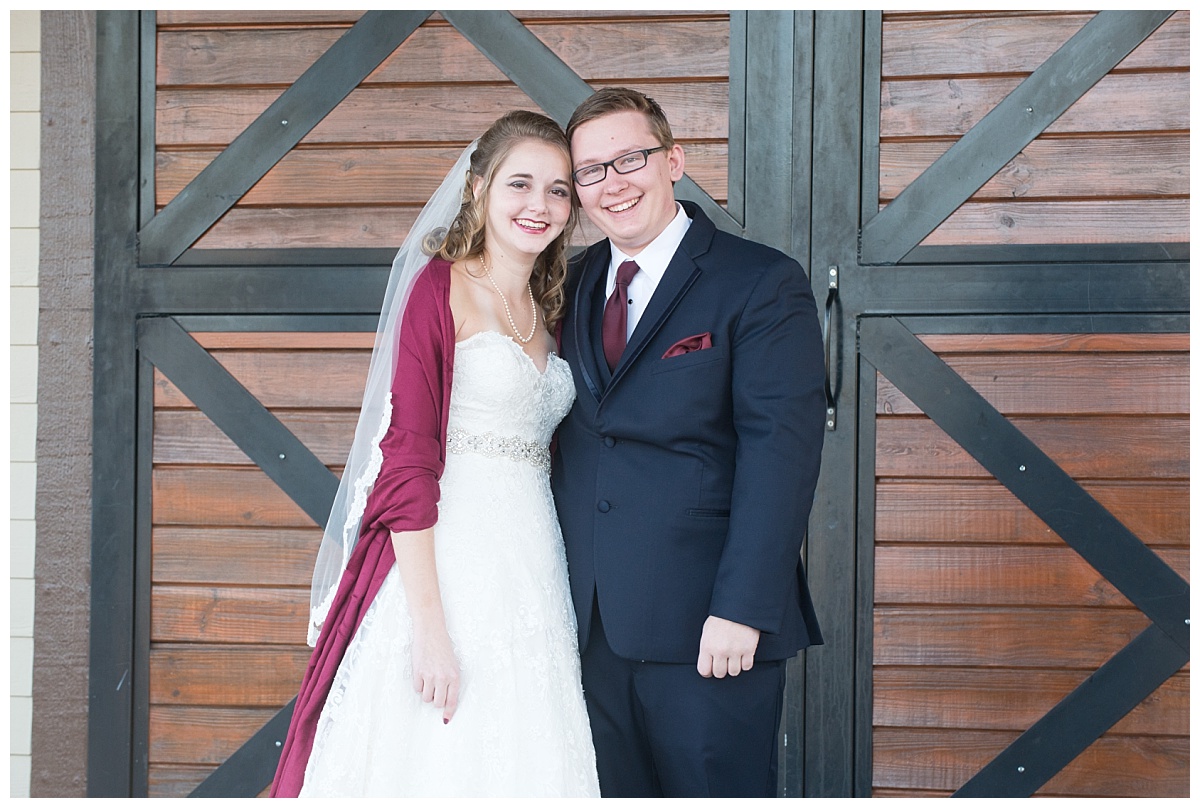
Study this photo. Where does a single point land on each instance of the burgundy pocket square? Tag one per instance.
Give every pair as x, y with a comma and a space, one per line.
689, 344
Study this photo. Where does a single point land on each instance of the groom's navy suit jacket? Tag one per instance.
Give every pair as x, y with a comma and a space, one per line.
684, 484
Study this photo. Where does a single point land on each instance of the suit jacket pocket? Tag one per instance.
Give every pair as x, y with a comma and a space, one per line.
714, 354
709, 513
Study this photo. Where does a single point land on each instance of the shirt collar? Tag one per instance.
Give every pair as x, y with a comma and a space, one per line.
656, 255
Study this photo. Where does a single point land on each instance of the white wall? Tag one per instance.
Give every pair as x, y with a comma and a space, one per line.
24, 122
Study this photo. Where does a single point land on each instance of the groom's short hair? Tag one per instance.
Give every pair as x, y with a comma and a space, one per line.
622, 99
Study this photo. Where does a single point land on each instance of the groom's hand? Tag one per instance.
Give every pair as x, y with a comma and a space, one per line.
726, 647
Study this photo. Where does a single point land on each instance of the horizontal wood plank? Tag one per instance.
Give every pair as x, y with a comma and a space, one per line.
1137, 102
202, 735
1095, 447
173, 18
226, 675
278, 56
1114, 221
324, 177
1112, 767
1057, 343
279, 340
234, 556
418, 114
169, 781
188, 436
381, 176
244, 228
285, 379
972, 698
982, 43
1002, 637
909, 793
983, 511
216, 614
602, 50
1065, 384
1057, 168
228, 17
946, 14
218, 496
1017, 575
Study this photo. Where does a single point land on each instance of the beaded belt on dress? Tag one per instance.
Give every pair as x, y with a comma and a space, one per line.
489, 444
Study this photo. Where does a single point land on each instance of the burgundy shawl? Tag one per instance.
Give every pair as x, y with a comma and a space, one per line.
404, 497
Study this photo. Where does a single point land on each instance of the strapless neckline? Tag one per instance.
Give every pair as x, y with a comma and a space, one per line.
506, 339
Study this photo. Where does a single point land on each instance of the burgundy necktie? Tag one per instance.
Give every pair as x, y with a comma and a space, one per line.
613, 328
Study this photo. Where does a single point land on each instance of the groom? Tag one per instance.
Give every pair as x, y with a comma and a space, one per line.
685, 471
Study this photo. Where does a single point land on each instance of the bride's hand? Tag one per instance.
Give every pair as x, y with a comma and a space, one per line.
436, 672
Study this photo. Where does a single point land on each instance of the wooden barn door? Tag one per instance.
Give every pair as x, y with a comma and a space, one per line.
1008, 468
993, 208
256, 172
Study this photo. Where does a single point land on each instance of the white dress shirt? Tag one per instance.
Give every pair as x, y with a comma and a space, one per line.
652, 262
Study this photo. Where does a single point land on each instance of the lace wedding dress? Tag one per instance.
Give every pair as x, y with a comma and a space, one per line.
521, 728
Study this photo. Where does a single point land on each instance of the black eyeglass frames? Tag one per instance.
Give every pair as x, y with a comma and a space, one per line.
625, 164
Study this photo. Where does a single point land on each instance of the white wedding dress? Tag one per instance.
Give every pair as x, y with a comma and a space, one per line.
521, 728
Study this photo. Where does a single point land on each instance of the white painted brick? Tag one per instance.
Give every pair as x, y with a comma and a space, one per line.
23, 309
23, 246
22, 374
20, 618
22, 489
24, 139
22, 547
20, 768
24, 129
25, 82
25, 31
24, 188
20, 666
20, 722
22, 432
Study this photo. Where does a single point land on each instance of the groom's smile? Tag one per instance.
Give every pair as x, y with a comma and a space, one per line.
623, 206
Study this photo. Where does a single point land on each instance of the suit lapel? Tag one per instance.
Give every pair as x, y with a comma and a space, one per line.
586, 325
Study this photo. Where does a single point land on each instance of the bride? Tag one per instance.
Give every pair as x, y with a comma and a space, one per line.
446, 659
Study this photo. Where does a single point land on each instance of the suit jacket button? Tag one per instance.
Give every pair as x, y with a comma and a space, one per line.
610, 441
603, 506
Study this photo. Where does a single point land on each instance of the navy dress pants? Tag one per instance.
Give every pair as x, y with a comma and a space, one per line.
663, 730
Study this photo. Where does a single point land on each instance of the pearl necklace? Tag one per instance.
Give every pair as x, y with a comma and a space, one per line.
512, 323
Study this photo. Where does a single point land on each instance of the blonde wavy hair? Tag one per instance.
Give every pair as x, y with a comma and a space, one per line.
465, 236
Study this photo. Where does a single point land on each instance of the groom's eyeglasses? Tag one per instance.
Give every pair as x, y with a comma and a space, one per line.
625, 164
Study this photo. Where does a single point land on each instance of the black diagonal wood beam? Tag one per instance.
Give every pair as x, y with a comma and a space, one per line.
1022, 467
1076, 722
240, 415
1024, 114
552, 84
264, 142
